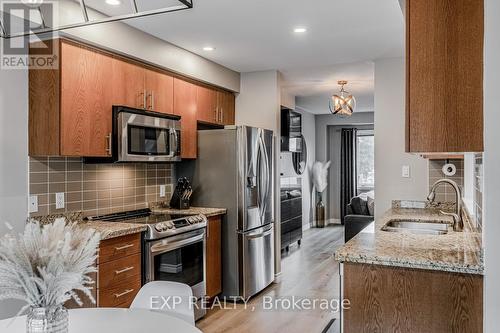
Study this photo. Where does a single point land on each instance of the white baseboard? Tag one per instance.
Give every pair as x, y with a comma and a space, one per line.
333, 221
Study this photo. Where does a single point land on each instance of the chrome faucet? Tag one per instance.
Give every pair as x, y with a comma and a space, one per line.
458, 224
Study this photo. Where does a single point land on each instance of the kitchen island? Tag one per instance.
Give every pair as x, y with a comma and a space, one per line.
410, 282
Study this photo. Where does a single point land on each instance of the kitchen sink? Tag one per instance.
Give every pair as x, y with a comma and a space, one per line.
428, 228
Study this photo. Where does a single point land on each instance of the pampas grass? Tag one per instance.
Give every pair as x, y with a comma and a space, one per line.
320, 175
45, 265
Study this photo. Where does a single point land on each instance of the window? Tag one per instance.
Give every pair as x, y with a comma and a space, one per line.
365, 161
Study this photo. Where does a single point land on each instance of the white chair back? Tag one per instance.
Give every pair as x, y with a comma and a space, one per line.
171, 297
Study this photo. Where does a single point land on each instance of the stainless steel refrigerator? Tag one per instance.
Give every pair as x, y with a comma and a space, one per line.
235, 170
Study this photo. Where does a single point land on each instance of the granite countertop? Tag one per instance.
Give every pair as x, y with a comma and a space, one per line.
208, 212
110, 230
116, 229
459, 252
106, 229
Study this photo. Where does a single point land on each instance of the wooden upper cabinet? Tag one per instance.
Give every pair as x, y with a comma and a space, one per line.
207, 104
86, 101
70, 107
444, 111
226, 104
159, 92
128, 84
185, 105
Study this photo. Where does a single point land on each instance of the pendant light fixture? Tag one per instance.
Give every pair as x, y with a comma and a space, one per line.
343, 104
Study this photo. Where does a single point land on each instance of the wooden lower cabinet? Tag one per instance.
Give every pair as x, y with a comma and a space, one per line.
214, 257
394, 299
118, 278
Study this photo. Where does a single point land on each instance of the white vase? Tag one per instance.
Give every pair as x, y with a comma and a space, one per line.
47, 320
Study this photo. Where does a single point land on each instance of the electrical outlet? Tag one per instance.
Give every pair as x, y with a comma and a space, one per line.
405, 171
163, 191
33, 205
60, 200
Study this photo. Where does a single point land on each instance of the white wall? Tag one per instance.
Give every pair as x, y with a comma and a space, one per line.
13, 158
491, 209
258, 103
390, 127
287, 99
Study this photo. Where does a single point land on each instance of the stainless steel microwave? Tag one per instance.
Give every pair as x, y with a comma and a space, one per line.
145, 136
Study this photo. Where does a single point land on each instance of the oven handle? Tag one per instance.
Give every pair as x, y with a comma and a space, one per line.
161, 247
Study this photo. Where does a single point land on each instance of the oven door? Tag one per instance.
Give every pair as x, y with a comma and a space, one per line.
179, 258
147, 138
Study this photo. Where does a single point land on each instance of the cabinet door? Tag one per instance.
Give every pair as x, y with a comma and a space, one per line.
226, 103
214, 261
159, 92
207, 104
185, 106
128, 84
444, 75
86, 103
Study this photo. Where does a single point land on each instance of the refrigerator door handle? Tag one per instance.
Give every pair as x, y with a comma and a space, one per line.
266, 176
262, 179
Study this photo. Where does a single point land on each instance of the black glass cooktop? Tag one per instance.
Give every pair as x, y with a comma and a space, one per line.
142, 216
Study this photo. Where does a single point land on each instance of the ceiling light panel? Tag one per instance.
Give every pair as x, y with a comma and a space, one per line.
65, 14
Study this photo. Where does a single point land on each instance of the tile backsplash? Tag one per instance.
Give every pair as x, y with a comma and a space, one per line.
445, 193
96, 189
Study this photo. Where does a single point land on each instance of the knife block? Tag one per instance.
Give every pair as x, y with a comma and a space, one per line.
177, 202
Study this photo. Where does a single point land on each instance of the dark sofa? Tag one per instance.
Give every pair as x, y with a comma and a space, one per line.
359, 214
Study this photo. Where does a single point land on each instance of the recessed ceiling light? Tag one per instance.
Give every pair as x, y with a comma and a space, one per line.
208, 48
113, 2
299, 30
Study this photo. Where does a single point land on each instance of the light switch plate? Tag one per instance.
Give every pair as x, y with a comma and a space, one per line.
405, 171
33, 204
162, 191
60, 200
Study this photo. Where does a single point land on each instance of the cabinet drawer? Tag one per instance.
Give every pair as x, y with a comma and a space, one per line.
118, 271
120, 295
117, 248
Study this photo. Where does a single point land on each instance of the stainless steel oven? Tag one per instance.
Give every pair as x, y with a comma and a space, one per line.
145, 136
179, 258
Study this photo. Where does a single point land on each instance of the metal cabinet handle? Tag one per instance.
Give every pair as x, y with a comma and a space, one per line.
216, 114
221, 116
141, 96
126, 292
109, 148
124, 247
151, 96
124, 270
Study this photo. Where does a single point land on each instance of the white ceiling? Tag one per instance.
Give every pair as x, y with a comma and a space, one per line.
343, 38
314, 86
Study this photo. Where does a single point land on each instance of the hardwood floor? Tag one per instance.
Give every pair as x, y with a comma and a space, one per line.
307, 272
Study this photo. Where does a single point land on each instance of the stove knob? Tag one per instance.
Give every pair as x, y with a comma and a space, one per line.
170, 225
